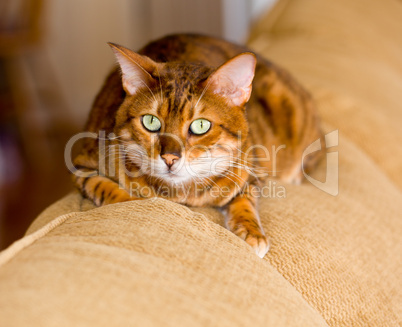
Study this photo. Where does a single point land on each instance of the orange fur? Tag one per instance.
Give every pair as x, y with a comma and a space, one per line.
180, 79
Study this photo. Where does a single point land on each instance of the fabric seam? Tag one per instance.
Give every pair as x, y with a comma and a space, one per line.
28, 240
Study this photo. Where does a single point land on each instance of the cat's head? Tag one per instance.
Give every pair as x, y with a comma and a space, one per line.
183, 121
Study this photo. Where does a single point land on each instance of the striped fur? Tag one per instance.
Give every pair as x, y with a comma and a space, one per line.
175, 86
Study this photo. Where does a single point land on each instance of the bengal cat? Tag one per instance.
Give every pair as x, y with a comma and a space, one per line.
196, 120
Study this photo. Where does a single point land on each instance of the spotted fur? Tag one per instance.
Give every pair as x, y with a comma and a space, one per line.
174, 84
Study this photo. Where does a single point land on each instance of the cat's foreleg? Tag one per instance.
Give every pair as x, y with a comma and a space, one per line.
243, 220
101, 190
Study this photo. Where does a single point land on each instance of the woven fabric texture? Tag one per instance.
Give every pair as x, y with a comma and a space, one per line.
144, 263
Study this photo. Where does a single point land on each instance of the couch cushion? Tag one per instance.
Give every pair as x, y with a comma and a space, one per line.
143, 263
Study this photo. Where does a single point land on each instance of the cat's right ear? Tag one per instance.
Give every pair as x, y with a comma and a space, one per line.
137, 70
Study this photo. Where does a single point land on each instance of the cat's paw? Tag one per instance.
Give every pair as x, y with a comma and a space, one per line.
243, 221
255, 239
259, 243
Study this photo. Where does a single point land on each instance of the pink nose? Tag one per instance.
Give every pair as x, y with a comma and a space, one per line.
169, 159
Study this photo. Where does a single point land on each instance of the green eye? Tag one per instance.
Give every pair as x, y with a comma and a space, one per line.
151, 123
200, 126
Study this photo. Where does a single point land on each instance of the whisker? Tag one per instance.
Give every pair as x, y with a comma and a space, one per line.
203, 92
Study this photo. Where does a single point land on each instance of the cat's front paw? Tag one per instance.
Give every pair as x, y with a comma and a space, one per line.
242, 220
259, 243
255, 238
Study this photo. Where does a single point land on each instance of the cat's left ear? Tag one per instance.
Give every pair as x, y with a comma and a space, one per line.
233, 79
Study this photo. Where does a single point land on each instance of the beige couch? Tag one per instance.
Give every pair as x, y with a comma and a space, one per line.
334, 260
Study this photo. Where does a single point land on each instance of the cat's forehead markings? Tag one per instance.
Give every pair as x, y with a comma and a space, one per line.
177, 98
178, 89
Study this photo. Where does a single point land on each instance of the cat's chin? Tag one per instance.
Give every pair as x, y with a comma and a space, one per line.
174, 180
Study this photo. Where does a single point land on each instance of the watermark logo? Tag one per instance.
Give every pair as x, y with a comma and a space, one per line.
269, 190
331, 184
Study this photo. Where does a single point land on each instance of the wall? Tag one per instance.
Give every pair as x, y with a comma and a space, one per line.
259, 7
77, 32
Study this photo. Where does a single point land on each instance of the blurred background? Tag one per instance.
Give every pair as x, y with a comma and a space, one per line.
53, 61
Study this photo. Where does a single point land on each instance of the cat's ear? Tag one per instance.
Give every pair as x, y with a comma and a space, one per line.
233, 79
136, 69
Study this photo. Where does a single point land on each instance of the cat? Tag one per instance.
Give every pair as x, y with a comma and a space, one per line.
190, 118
